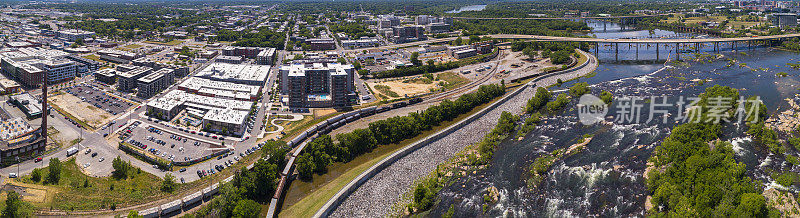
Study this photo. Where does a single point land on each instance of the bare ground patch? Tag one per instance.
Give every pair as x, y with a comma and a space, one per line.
81, 110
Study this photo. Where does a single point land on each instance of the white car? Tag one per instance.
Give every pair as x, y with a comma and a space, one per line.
12, 175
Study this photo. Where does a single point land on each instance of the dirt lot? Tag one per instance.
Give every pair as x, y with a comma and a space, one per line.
81, 110
402, 89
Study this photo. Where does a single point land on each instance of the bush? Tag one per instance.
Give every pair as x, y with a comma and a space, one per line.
579, 89
36, 175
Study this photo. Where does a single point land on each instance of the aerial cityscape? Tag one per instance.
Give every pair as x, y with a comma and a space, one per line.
390, 108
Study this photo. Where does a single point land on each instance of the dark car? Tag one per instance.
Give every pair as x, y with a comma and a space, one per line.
182, 170
94, 154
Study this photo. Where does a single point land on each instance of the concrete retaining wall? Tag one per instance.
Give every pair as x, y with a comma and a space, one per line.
351, 187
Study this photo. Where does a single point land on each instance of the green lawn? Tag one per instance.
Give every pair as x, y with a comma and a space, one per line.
71, 194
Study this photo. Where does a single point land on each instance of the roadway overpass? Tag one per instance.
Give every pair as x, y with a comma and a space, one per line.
559, 18
717, 43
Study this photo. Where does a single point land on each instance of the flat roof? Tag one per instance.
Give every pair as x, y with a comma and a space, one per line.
176, 98
226, 115
235, 72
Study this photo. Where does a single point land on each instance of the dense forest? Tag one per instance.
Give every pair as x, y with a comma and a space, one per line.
263, 38
558, 7
696, 175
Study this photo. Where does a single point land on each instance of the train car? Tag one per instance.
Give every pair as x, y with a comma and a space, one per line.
150, 212
312, 130
399, 104
415, 100
279, 188
299, 148
349, 119
383, 109
214, 189
227, 180
370, 110
288, 168
171, 206
335, 119
192, 198
340, 123
207, 192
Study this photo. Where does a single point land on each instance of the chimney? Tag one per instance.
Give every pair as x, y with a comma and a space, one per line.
44, 107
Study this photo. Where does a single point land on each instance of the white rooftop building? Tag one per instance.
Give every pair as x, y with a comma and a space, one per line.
236, 73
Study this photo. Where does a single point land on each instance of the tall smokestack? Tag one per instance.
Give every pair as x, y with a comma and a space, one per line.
44, 107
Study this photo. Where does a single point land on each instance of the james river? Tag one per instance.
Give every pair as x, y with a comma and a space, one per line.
606, 178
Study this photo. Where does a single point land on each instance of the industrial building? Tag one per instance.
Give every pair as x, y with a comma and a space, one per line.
318, 84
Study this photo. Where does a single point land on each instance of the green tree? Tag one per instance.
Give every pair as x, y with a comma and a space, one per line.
415, 59
168, 184
121, 168
246, 209
752, 205
54, 174
15, 207
134, 214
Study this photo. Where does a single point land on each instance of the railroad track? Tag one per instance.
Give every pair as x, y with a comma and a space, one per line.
467, 87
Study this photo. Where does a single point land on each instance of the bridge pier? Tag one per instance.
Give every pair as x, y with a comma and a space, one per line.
616, 51
656, 51
678, 51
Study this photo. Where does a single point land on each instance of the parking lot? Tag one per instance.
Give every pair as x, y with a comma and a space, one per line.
99, 99
167, 145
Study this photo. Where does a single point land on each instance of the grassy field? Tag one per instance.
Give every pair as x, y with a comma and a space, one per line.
719, 19
323, 187
452, 79
77, 191
133, 46
386, 90
170, 43
92, 57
